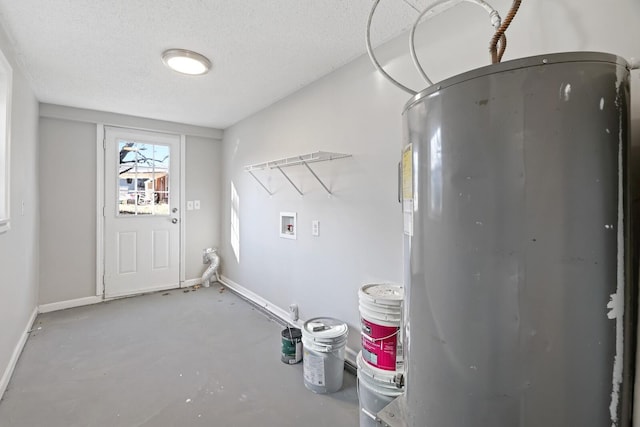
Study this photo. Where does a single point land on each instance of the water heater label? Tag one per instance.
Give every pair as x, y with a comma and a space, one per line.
407, 172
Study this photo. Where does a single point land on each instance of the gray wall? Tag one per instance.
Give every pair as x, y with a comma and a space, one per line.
68, 187
68, 206
19, 246
203, 183
354, 110
351, 111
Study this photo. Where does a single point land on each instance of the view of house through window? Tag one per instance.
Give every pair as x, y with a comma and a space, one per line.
5, 120
143, 178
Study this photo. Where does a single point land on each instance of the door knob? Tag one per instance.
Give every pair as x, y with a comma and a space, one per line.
174, 220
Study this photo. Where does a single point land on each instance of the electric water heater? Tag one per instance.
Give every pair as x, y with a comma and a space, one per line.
517, 245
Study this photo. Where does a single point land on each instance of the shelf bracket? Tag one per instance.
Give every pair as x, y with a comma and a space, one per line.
289, 179
315, 175
260, 182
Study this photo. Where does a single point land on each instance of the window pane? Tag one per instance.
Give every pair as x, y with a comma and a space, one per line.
143, 179
162, 203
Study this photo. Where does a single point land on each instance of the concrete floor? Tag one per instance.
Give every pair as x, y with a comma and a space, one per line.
200, 358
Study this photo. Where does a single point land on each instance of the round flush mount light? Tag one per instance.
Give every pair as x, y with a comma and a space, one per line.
186, 62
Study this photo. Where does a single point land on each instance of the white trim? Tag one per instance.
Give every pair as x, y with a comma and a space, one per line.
191, 282
280, 313
351, 356
5, 207
141, 291
258, 300
8, 372
72, 303
121, 120
183, 208
100, 209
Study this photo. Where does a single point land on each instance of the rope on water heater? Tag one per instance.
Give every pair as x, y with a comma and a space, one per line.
503, 47
499, 35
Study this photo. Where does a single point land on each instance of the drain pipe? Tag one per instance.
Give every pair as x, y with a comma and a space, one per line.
210, 256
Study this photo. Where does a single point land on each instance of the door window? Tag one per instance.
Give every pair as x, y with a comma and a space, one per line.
143, 178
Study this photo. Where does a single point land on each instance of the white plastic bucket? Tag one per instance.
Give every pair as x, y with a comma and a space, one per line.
376, 389
324, 340
381, 320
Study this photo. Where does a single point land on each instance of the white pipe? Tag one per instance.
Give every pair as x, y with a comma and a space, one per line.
434, 9
373, 58
439, 7
210, 256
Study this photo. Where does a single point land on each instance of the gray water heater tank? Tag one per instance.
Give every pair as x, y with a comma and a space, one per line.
520, 298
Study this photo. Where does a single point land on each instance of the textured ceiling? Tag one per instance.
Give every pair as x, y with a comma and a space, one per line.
105, 55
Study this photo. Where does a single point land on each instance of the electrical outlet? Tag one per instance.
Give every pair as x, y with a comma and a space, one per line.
190, 205
196, 204
315, 227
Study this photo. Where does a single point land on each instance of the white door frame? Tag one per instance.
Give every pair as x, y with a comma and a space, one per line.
100, 182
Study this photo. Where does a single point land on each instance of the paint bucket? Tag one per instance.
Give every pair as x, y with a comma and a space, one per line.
291, 346
324, 340
381, 319
376, 389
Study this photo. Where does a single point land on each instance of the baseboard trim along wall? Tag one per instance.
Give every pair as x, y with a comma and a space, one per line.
257, 300
79, 302
280, 314
63, 305
191, 282
8, 372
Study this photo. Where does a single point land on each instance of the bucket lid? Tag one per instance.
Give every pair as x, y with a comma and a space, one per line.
381, 308
324, 329
383, 293
378, 375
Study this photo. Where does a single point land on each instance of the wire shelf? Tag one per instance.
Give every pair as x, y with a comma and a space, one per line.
302, 159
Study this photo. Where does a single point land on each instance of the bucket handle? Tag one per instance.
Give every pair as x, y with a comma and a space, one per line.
369, 414
326, 348
381, 339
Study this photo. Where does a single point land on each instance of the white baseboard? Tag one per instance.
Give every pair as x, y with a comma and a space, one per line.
150, 290
191, 282
259, 301
8, 372
62, 305
280, 313
351, 356
79, 302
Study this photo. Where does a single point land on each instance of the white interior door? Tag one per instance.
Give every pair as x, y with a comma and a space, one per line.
141, 224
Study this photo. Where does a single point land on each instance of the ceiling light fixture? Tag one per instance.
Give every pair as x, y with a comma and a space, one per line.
186, 62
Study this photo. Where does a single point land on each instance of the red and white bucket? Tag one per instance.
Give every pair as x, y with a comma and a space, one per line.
381, 322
